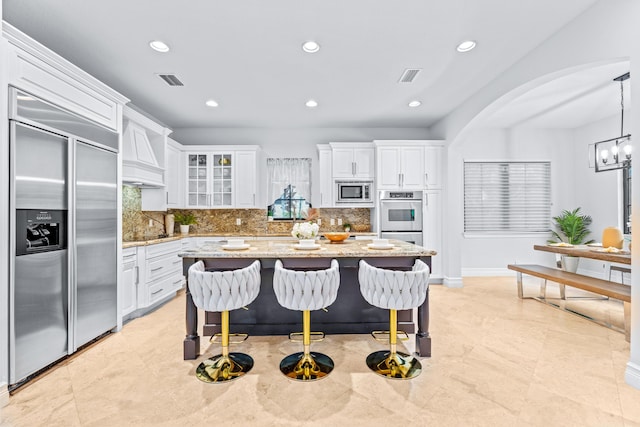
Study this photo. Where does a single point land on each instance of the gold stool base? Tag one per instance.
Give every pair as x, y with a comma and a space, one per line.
219, 369
397, 365
311, 367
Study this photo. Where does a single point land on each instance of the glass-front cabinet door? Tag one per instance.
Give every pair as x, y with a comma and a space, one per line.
222, 180
198, 194
210, 180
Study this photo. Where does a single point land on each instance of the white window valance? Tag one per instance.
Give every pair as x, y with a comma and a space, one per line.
284, 172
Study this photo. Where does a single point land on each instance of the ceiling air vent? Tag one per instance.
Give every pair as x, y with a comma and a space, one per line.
409, 75
171, 79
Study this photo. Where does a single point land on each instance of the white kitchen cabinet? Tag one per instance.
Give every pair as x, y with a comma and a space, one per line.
150, 275
198, 179
412, 168
221, 177
325, 179
408, 165
352, 160
173, 175
432, 229
162, 273
209, 179
130, 277
400, 168
245, 170
388, 168
433, 161
32, 67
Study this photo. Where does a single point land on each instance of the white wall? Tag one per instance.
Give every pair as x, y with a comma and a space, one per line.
599, 194
555, 57
573, 184
293, 142
490, 255
577, 45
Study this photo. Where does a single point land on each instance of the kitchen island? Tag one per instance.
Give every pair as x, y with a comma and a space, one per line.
349, 314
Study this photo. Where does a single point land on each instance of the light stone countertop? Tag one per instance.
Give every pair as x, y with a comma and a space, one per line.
287, 249
148, 242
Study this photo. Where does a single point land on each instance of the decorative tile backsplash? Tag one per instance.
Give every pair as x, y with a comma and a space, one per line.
141, 225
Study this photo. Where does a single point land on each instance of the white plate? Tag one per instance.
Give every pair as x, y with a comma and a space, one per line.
374, 246
595, 245
236, 248
307, 247
561, 245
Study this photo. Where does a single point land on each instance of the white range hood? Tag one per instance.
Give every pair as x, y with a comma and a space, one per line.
140, 166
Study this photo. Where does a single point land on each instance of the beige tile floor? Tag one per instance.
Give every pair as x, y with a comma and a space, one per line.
497, 361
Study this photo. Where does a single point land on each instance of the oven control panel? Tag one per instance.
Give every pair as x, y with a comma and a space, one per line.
402, 195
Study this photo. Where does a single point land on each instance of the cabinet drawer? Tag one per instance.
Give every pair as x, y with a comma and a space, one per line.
163, 249
164, 287
163, 266
129, 254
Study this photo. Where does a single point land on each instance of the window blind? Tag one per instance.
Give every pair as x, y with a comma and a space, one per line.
507, 196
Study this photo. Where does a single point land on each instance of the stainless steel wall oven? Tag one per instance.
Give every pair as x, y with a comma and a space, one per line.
401, 216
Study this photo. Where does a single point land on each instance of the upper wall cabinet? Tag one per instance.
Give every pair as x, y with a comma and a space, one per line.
43, 73
352, 160
403, 164
325, 179
221, 176
246, 179
173, 173
433, 161
400, 167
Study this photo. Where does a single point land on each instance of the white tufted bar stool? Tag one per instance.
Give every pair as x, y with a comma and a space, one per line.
305, 291
394, 290
223, 291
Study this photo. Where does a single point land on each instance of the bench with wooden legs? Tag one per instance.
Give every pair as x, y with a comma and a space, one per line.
606, 288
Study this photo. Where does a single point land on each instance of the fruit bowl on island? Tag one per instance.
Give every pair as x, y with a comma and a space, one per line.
337, 237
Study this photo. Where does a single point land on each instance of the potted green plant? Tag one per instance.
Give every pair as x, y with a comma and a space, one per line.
571, 227
185, 219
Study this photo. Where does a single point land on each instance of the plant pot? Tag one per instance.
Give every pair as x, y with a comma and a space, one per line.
184, 229
569, 263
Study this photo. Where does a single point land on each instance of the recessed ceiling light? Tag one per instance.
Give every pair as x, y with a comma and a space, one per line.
311, 103
466, 46
159, 46
211, 103
310, 47
415, 103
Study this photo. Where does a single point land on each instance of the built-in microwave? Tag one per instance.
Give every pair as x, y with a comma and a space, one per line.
354, 192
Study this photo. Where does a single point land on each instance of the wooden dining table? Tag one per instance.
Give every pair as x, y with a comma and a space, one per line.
584, 251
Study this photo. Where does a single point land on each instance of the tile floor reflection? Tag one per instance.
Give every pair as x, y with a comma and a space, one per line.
497, 361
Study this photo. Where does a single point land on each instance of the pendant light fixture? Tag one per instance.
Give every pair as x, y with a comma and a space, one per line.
615, 153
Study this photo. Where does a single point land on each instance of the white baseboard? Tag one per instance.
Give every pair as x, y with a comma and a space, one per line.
452, 282
4, 394
632, 375
484, 272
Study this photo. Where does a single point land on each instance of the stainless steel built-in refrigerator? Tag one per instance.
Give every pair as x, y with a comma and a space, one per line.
63, 272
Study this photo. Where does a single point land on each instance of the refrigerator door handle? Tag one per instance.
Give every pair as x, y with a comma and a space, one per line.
73, 248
